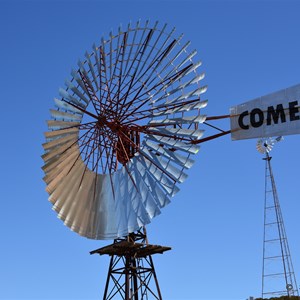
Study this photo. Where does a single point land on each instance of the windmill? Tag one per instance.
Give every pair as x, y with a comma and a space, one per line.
120, 140
278, 277
122, 136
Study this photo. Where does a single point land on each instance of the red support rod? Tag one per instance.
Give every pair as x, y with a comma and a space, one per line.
218, 117
210, 137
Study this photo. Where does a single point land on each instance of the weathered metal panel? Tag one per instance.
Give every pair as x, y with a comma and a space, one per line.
275, 114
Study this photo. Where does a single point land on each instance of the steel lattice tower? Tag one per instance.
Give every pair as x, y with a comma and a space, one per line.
278, 277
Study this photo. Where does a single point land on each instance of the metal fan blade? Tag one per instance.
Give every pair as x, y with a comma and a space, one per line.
171, 143
184, 85
53, 124
63, 163
148, 206
121, 139
135, 209
76, 91
57, 151
160, 197
177, 121
194, 67
63, 116
91, 69
64, 105
183, 161
60, 189
165, 182
78, 217
54, 162
65, 95
174, 173
177, 132
57, 142
180, 108
196, 92
53, 184
61, 168
188, 59
60, 133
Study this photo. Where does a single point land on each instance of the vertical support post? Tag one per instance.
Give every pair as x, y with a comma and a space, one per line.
127, 278
108, 277
155, 278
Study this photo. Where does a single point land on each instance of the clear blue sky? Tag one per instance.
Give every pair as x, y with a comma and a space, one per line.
215, 223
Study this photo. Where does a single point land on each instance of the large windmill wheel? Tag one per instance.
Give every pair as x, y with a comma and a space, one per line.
122, 134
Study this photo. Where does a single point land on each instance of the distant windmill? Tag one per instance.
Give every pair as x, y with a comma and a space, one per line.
278, 277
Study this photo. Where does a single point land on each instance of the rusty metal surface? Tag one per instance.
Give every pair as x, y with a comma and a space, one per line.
133, 249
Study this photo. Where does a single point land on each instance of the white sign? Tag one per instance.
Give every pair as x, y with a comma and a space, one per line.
271, 115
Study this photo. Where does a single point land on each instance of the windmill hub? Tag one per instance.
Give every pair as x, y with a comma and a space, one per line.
116, 127
101, 121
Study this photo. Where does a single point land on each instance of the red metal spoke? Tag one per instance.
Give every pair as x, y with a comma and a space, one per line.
171, 136
123, 148
100, 158
90, 91
145, 129
76, 142
83, 126
218, 117
102, 148
160, 168
210, 137
156, 61
141, 101
129, 140
138, 58
124, 98
101, 83
108, 149
131, 178
104, 76
110, 169
157, 166
118, 65
91, 146
140, 51
165, 107
167, 80
83, 173
120, 81
81, 109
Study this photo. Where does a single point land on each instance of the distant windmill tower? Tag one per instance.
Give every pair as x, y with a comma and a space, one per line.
278, 277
